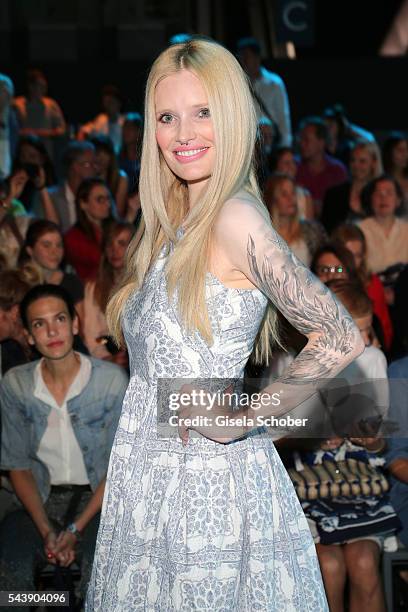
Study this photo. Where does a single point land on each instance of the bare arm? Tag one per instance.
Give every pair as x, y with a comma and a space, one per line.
26, 490
48, 207
47, 204
93, 506
67, 541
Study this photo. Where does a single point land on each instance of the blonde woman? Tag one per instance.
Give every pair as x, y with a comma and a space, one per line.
343, 203
303, 236
208, 520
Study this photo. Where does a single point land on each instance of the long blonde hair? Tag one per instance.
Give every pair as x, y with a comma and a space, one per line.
372, 149
164, 196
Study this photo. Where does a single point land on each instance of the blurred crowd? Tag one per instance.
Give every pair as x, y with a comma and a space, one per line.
337, 195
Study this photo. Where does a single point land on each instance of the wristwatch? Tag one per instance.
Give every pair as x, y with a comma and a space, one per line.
72, 528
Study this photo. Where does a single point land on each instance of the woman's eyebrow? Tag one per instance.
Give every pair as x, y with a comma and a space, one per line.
168, 110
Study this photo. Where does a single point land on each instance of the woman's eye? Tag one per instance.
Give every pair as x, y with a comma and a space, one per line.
165, 118
204, 113
61, 318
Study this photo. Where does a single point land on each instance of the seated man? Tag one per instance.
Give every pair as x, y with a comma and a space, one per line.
59, 417
317, 171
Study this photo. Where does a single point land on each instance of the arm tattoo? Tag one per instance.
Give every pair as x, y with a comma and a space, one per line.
309, 306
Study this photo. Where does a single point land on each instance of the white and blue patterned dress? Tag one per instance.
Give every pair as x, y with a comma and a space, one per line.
209, 526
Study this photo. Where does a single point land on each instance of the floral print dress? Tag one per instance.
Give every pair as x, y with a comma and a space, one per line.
206, 526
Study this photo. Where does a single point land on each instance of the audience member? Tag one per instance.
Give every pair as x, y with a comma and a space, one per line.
386, 234
116, 240
83, 242
14, 348
31, 151
110, 121
304, 237
57, 466
79, 164
342, 134
8, 126
33, 157
333, 261
269, 89
263, 149
395, 159
317, 171
44, 250
13, 217
351, 236
342, 203
39, 114
283, 161
108, 169
129, 157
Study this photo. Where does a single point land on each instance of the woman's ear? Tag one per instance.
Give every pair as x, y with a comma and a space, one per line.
29, 337
75, 325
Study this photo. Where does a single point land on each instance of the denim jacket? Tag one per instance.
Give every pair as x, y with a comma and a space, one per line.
94, 415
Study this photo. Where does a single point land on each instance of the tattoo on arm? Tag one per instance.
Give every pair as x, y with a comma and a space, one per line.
309, 306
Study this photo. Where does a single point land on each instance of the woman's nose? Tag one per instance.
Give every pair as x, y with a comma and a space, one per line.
186, 131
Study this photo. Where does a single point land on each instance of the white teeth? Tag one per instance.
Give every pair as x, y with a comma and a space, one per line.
190, 153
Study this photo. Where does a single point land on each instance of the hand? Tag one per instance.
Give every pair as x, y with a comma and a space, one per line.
209, 421
65, 548
17, 183
50, 547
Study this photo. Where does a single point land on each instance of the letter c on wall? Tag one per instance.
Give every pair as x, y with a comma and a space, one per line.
291, 20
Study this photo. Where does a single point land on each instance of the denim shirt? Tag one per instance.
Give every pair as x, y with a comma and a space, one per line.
94, 416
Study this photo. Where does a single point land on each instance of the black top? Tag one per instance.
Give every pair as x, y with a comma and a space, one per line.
12, 354
336, 207
71, 283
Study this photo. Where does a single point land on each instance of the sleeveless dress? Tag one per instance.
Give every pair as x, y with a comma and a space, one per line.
206, 526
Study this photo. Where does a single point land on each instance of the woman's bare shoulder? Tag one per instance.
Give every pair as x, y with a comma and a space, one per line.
240, 213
